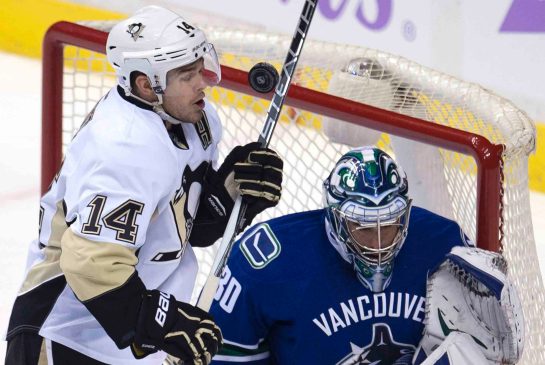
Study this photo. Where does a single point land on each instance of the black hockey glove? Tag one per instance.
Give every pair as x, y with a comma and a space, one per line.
255, 173
252, 171
178, 328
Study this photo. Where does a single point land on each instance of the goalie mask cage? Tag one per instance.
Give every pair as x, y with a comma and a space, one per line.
465, 149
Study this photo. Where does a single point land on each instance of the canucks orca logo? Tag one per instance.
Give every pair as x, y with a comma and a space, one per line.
382, 350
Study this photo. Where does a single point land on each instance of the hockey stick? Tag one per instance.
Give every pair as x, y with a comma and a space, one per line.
236, 219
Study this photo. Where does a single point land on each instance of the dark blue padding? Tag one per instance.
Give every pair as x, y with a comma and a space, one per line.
495, 285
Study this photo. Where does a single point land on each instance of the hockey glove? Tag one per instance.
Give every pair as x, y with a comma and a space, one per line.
258, 175
470, 292
177, 328
252, 171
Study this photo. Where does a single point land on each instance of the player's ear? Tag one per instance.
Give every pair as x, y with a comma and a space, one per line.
142, 87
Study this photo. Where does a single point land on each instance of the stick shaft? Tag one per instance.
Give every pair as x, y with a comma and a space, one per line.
236, 219
209, 289
288, 70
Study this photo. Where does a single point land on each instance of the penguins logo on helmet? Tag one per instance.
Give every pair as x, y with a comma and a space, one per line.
170, 43
135, 29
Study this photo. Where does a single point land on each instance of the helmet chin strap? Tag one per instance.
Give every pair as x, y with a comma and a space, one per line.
157, 107
164, 115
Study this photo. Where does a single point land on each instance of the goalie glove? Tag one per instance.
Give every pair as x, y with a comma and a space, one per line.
457, 349
177, 328
471, 293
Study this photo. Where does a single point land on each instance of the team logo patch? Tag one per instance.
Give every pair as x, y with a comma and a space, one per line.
261, 247
383, 349
135, 29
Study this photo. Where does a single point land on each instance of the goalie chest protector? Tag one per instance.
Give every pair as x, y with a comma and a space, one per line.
288, 297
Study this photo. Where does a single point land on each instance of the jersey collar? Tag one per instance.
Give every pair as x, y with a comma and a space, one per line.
132, 100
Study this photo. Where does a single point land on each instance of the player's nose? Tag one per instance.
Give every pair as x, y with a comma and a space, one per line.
202, 82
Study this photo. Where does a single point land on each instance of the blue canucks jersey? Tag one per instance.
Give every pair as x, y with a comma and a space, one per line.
288, 297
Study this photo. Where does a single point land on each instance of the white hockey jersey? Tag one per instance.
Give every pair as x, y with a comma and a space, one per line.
125, 180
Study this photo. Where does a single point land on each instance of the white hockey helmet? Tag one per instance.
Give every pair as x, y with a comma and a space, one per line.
154, 41
367, 190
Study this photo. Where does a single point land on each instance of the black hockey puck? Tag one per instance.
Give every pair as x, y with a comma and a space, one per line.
263, 77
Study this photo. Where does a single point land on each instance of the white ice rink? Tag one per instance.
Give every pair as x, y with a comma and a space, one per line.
20, 117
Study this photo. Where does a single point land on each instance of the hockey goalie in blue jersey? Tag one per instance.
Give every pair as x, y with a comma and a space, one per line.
369, 279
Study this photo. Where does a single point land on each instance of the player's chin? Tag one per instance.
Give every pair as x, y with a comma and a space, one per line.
191, 113
193, 117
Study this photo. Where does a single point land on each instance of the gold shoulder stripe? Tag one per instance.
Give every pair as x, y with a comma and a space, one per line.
94, 268
44, 271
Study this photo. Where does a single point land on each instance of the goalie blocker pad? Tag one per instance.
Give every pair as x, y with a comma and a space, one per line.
470, 292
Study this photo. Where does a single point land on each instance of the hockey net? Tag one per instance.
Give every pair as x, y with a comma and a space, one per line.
465, 149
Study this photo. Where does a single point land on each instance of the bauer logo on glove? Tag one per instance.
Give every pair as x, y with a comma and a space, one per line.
178, 328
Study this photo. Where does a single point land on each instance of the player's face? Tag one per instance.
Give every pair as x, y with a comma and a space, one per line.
184, 95
373, 237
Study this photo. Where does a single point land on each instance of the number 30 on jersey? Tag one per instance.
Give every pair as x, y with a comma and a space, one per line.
228, 290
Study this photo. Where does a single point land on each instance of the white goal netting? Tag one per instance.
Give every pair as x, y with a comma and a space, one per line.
440, 179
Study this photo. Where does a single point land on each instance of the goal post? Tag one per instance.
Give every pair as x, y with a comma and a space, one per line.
487, 155
464, 148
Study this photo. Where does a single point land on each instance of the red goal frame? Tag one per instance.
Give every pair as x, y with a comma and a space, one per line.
488, 156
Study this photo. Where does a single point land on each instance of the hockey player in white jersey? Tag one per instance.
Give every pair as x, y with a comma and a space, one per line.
109, 279
369, 279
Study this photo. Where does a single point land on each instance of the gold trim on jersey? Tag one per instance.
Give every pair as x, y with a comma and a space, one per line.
177, 208
49, 268
202, 127
46, 270
177, 136
42, 360
58, 226
94, 268
155, 214
179, 217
